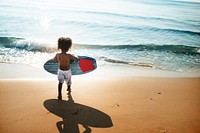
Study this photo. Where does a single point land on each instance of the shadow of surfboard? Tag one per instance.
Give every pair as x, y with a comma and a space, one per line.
73, 114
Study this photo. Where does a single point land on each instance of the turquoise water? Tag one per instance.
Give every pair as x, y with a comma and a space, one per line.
156, 34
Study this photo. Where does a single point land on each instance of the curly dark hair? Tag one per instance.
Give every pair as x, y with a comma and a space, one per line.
64, 43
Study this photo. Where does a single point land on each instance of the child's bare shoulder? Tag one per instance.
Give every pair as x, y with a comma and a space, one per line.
69, 55
58, 54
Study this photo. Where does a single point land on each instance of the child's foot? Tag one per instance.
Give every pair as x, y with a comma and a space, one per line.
60, 97
69, 93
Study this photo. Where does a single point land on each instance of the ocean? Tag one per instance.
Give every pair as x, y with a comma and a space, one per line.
155, 34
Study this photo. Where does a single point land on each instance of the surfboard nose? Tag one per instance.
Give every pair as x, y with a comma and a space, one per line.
86, 65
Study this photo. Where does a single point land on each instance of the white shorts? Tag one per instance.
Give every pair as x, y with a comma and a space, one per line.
64, 76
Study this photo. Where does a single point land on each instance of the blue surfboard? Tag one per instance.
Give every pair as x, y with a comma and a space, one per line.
84, 65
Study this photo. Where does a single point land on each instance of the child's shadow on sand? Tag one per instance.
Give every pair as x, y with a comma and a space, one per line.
74, 114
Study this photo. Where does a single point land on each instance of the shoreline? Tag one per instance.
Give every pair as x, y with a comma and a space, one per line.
22, 71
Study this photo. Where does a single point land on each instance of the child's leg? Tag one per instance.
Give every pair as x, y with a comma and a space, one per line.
69, 82
60, 90
69, 88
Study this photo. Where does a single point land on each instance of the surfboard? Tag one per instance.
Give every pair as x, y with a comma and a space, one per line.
84, 65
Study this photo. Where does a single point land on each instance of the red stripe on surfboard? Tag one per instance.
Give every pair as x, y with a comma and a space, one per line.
86, 65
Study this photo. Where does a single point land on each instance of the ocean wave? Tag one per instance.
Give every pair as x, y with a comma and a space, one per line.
34, 46
178, 31
25, 44
140, 64
161, 30
129, 16
142, 18
178, 49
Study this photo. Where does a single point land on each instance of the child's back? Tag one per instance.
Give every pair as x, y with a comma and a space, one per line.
64, 60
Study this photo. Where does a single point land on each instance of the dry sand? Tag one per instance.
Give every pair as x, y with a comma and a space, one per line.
113, 105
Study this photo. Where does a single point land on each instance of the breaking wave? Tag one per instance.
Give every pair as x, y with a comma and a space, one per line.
34, 46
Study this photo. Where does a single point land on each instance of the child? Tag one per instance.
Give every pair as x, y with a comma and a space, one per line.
63, 59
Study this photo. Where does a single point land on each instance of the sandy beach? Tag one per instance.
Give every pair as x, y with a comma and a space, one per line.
113, 105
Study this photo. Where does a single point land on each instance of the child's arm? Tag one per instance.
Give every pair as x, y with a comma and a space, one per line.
74, 57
